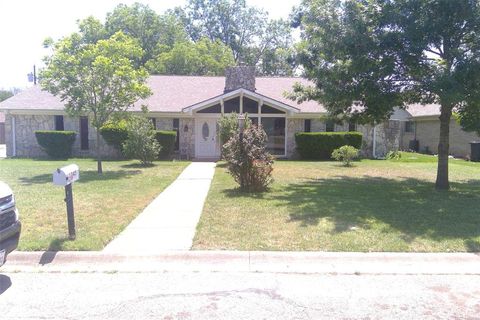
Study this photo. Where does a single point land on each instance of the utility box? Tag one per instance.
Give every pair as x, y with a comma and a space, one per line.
475, 151
66, 175
414, 145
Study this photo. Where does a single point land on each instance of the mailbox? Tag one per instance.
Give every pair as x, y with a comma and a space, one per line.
66, 175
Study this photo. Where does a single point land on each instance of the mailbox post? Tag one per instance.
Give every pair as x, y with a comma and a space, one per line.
65, 177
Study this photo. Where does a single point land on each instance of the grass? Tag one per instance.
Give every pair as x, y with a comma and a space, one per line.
104, 204
376, 205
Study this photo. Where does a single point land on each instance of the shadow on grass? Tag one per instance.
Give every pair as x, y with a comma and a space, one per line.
85, 176
139, 165
411, 206
238, 193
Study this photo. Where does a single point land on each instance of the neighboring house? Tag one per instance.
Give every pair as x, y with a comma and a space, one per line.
2, 128
191, 105
424, 126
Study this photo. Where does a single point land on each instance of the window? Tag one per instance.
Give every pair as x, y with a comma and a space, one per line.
84, 133
249, 105
308, 125
352, 126
232, 105
213, 109
269, 109
154, 122
329, 126
176, 127
254, 120
275, 130
410, 126
59, 126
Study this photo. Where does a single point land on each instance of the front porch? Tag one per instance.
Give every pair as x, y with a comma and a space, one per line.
202, 127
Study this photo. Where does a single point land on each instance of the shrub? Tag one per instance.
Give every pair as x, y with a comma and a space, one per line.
166, 139
141, 143
394, 155
115, 133
228, 126
345, 154
57, 144
248, 161
320, 145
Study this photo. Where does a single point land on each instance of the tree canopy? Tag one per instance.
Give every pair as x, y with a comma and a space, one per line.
174, 42
367, 57
253, 38
95, 79
5, 94
204, 57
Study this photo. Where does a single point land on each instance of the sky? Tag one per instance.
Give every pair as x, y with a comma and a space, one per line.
24, 24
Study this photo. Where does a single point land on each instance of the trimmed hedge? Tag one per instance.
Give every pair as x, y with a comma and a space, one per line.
57, 144
115, 133
320, 145
167, 140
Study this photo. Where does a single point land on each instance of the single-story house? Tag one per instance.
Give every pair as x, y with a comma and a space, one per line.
191, 105
2, 128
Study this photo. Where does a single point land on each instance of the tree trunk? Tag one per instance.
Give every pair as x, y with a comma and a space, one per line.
442, 182
99, 157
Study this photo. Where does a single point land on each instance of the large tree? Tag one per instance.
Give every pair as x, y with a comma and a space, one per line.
368, 56
246, 30
204, 57
5, 94
95, 79
138, 21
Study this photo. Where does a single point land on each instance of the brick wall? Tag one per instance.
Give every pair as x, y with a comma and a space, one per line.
428, 132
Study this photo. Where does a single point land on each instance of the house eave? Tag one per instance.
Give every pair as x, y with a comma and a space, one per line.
240, 92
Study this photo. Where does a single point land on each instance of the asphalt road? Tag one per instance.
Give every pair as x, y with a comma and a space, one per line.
222, 295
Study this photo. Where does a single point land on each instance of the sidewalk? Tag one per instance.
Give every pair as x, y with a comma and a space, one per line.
169, 221
332, 263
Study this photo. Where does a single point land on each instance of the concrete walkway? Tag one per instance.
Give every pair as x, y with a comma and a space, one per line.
170, 221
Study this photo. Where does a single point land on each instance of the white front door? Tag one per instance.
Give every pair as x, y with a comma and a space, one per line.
206, 138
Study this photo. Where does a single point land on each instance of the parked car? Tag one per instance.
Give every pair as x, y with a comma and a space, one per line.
10, 225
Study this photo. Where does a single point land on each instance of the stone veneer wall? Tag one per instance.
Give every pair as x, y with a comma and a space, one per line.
187, 138
387, 138
240, 77
317, 125
164, 123
26, 142
293, 126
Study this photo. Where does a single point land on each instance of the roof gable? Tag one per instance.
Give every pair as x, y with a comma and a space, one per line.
242, 93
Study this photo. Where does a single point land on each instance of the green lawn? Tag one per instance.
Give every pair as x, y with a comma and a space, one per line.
377, 205
104, 204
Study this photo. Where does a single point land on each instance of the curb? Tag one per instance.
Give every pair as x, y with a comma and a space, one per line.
331, 263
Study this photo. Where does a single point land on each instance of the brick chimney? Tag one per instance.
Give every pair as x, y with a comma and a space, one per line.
239, 77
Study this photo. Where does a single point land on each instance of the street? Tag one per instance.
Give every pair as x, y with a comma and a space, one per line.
236, 295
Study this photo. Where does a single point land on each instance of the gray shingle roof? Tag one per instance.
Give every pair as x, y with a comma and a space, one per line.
424, 110
171, 94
